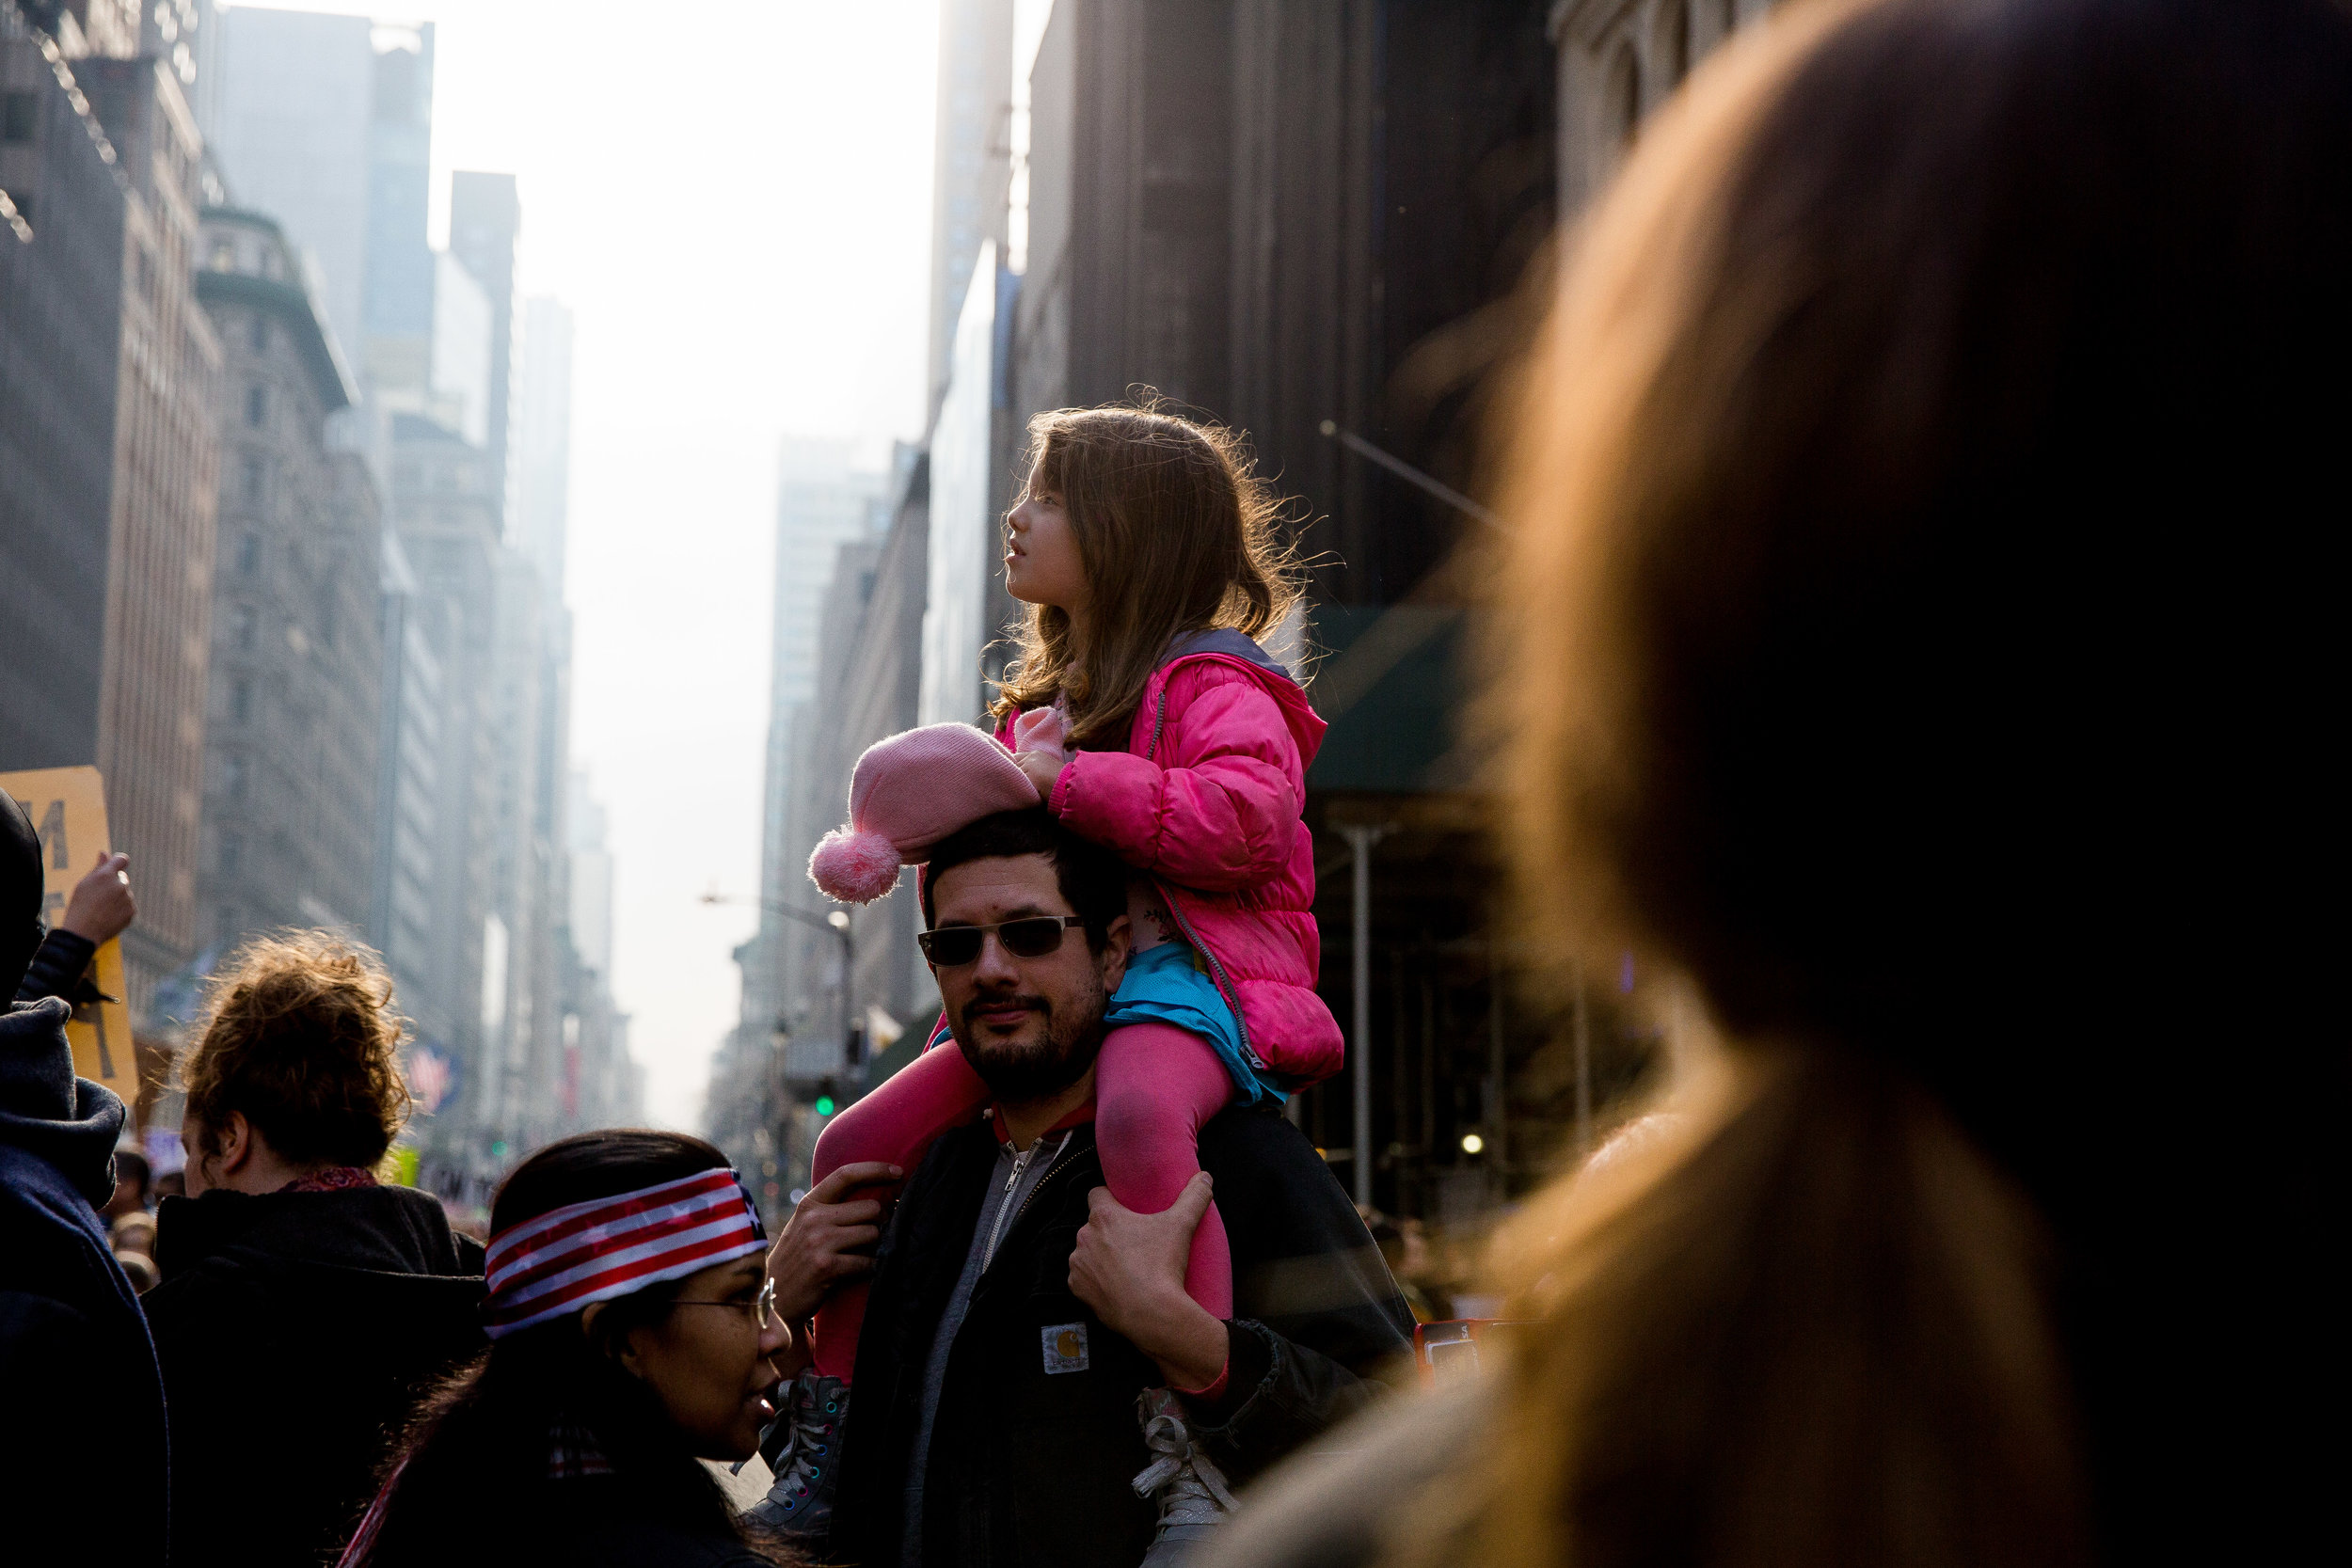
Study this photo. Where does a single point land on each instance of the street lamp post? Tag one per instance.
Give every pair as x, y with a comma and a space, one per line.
835, 921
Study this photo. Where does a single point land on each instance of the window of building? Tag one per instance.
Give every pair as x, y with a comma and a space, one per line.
248, 553
253, 478
231, 852
260, 333
241, 700
232, 777
20, 118
241, 628
256, 404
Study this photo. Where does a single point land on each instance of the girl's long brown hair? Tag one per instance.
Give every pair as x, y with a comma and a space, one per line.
1177, 533
1904, 570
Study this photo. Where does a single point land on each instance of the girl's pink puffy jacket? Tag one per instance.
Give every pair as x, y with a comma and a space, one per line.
1206, 800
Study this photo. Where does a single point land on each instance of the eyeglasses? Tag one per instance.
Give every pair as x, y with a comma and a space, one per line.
1033, 937
762, 1312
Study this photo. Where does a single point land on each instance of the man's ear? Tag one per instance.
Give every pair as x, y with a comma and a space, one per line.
1116, 938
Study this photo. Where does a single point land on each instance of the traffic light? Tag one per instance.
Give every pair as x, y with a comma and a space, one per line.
825, 1104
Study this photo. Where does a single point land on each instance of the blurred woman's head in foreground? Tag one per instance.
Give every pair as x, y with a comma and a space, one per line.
1913, 633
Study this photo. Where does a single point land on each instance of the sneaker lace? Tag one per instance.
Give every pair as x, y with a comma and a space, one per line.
1192, 1489
807, 1447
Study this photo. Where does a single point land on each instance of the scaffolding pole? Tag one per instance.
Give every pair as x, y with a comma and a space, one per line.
1360, 838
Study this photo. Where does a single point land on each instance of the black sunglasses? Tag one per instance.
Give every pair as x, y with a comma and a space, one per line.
1032, 937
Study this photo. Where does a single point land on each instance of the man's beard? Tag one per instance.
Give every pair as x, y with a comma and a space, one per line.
1025, 1071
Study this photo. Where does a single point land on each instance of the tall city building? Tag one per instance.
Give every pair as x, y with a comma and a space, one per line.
407, 793
62, 216
593, 1036
176, 32
602, 1087
296, 717
484, 221
464, 417
822, 1002
445, 514
150, 713
540, 441
824, 499
972, 159
398, 298
288, 110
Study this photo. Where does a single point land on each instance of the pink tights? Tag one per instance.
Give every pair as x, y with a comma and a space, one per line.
1155, 1088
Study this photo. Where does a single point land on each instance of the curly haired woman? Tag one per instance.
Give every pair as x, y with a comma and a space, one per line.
303, 1307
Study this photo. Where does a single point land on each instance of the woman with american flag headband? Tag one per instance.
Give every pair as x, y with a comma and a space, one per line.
633, 1333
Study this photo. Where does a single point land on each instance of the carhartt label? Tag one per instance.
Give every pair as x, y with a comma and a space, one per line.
1065, 1347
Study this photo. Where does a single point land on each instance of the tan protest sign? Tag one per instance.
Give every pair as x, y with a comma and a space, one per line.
68, 806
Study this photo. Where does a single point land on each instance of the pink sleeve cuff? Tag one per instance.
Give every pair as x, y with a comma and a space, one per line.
1216, 1390
1058, 798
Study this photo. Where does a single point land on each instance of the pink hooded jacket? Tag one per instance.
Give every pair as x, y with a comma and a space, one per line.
1206, 800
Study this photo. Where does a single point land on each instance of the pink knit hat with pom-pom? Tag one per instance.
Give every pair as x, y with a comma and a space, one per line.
907, 793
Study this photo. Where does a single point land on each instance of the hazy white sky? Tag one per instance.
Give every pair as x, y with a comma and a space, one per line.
733, 197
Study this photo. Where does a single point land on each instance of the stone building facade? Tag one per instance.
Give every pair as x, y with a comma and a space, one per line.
294, 713
447, 518
166, 474
62, 202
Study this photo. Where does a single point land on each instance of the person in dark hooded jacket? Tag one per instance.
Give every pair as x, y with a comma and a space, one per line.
99, 910
84, 1458
303, 1309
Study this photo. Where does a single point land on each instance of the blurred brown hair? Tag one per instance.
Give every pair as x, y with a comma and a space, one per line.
1177, 533
299, 1033
1905, 574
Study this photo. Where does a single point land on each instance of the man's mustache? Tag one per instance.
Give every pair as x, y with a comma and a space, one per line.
994, 1003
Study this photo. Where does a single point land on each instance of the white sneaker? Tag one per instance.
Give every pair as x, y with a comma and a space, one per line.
1194, 1498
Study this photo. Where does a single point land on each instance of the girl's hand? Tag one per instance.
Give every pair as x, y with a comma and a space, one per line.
1044, 768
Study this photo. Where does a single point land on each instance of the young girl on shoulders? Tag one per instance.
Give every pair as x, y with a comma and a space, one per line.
1151, 720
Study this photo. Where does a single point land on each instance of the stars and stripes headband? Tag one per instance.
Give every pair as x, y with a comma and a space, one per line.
558, 1262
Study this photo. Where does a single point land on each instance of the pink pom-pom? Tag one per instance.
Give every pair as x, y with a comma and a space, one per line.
856, 868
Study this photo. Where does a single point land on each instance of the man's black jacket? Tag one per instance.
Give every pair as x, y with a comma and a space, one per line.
1030, 1459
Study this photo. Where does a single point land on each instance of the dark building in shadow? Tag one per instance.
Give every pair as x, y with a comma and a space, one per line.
62, 211
1325, 222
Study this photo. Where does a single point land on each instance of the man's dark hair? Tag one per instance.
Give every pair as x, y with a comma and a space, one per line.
1094, 882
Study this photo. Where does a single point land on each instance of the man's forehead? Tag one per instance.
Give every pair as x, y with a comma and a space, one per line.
979, 892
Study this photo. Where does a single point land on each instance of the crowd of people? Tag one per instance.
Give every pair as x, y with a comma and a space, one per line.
1908, 630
